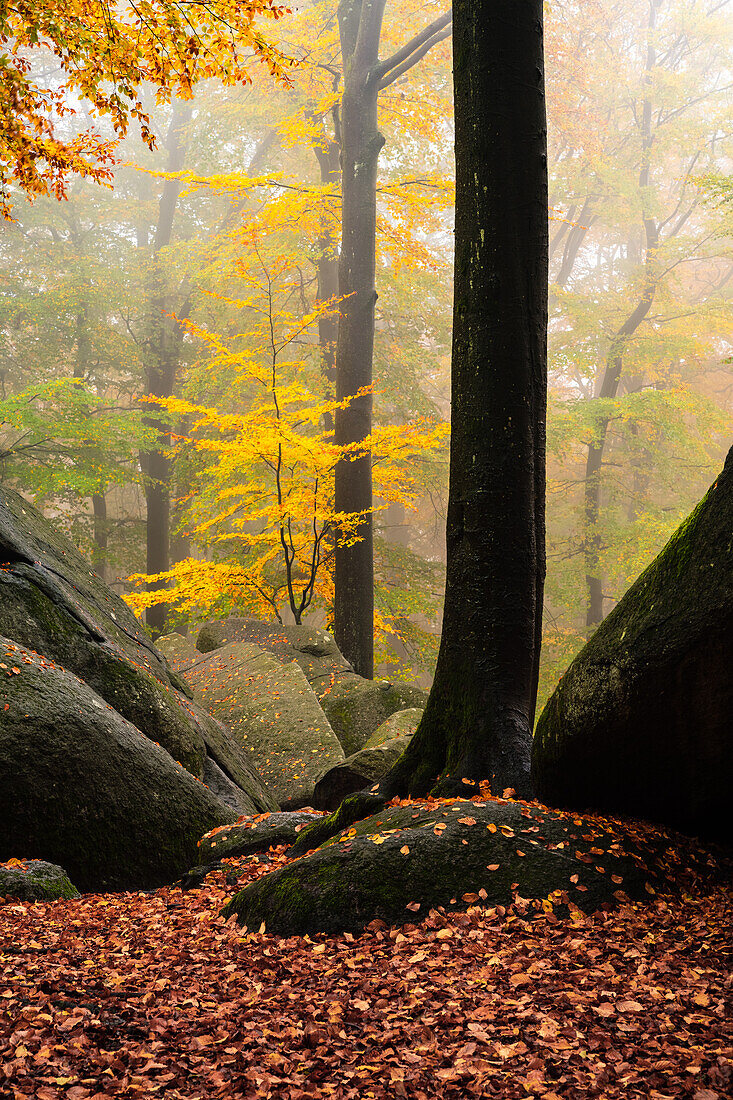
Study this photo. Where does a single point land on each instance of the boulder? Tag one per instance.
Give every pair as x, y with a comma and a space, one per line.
400, 863
315, 650
34, 880
361, 769
402, 723
82, 786
272, 711
641, 723
179, 650
356, 707
254, 834
52, 602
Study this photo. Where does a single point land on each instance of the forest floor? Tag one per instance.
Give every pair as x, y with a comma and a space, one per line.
147, 995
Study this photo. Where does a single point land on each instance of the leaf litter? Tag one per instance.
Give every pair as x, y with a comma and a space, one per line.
153, 994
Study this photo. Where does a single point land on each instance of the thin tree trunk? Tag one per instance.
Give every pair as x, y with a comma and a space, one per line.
99, 550
360, 25
162, 362
328, 154
615, 360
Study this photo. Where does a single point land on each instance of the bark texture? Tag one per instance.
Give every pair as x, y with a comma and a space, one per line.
162, 356
360, 24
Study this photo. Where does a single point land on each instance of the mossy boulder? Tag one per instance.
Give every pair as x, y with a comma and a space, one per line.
400, 863
179, 650
362, 769
272, 711
316, 652
356, 707
641, 723
254, 834
402, 723
34, 880
82, 787
52, 602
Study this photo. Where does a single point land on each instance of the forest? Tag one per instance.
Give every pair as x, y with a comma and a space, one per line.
366, 549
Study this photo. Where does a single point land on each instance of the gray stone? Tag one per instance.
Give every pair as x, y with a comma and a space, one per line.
405, 860
272, 711
356, 707
641, 724
362, 769
34, 880
83, 787
52, 602
255, 834
402, 723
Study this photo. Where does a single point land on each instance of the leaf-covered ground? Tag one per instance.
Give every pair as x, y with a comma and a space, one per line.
144, 995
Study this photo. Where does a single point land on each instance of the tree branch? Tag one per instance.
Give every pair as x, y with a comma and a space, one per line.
386, 72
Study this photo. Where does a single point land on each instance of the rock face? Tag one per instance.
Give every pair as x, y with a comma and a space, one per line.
52, 602
399, 864
82, 786
34, 880
354, 707
362, 769
272, 711
402, 723
642, 721
357, 707
255, 834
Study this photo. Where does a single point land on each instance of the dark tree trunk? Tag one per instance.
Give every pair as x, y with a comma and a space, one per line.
479, 716
163, 348
360, 23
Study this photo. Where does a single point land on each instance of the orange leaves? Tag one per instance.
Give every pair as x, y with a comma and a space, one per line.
143, 994
105, 53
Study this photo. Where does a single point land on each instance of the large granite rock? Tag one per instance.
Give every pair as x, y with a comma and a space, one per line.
52, 602
254, 834
354, 706
271, 709
82, 787
402, 723
314, 650
34, 880
362, 769
405, 860
642, 721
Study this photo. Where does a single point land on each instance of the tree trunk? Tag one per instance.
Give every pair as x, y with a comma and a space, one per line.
360, 23
99, 550
328, 154
162, 360
479, 716
615, 359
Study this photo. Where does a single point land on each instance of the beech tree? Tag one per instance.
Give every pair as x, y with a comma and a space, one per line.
478, 721
364, 76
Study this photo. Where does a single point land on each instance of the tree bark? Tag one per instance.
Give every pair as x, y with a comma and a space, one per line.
163, 349
479, 716
99, 550
360, 23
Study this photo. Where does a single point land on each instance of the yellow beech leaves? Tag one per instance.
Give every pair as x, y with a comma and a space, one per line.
263, 501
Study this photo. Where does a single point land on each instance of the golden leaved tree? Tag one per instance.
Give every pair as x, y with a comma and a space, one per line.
262, 505
106, 52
